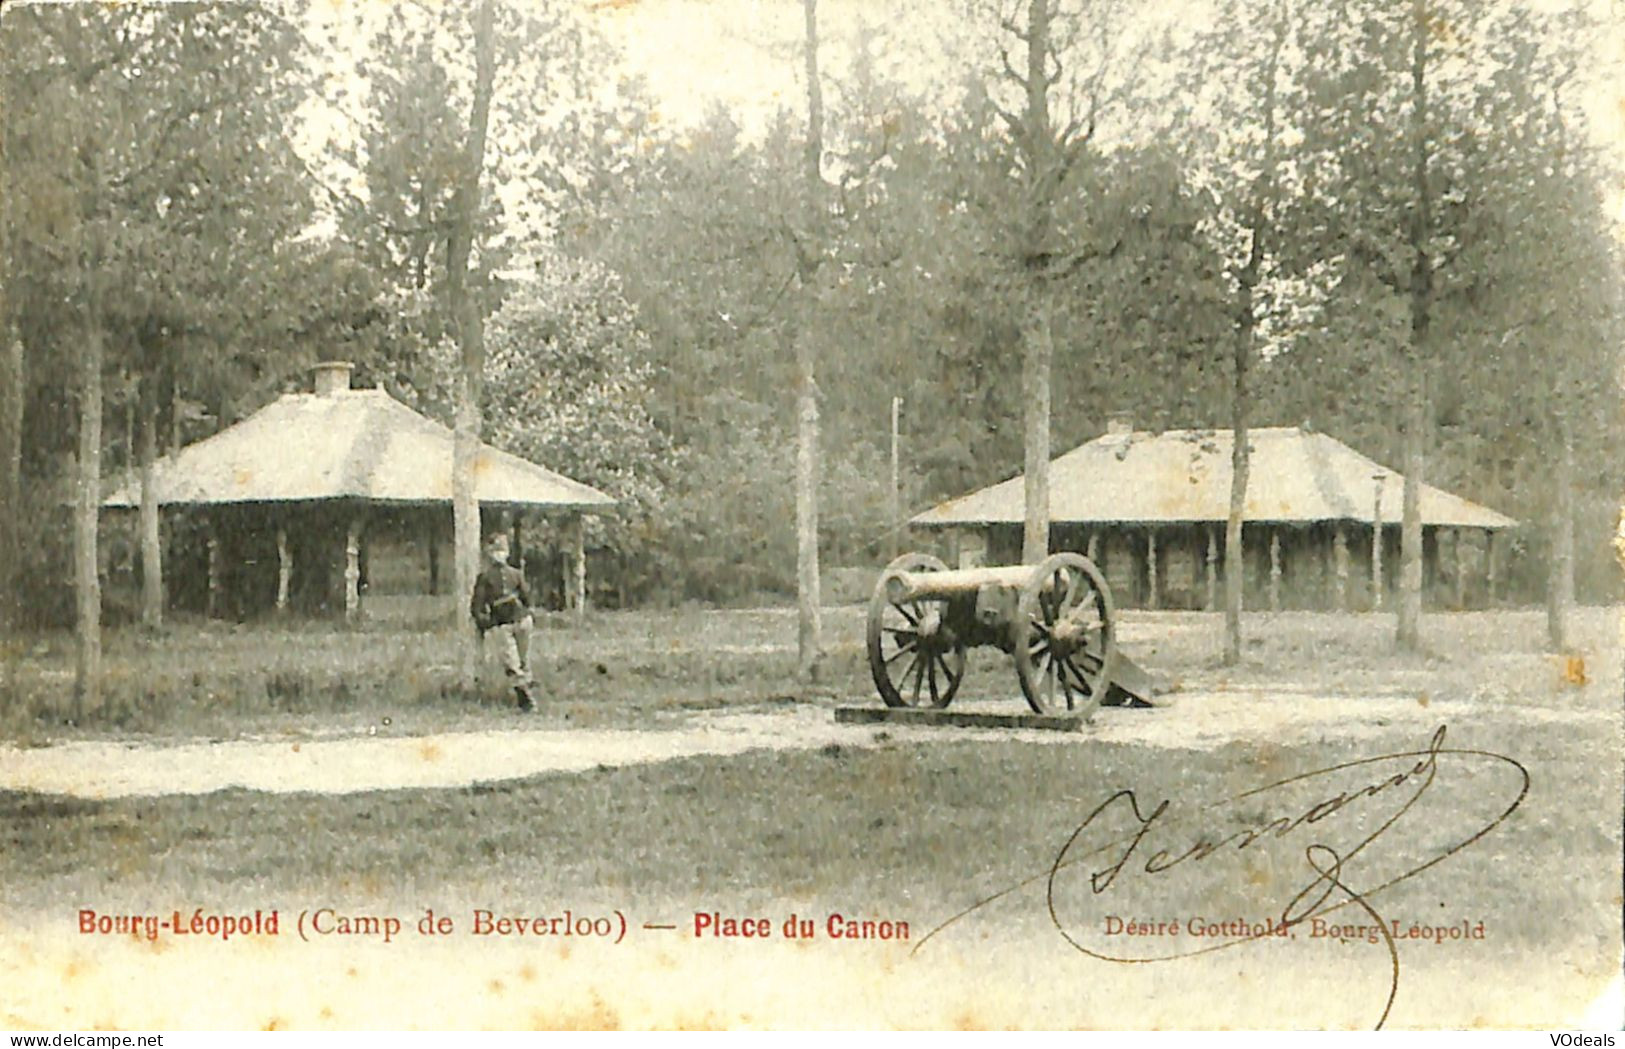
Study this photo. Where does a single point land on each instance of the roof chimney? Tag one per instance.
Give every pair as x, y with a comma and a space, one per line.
332, 377
1119, 424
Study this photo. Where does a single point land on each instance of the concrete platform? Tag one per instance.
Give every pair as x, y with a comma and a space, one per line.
954, 718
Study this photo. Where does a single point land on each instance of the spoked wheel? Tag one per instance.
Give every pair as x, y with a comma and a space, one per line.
915, 659
1064, 643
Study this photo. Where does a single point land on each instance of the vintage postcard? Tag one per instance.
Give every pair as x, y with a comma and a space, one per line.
737, 514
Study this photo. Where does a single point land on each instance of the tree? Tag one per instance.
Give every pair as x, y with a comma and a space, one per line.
566, 383
1135, 314
87, 666
729, 247
694, 232
809, 251
468, 324
1420, 237
1543, 239
1410, 74
186, 304
12, 385
1061, 90
1479, 184
1044, 163
436, 180
914, 297
76, 237
144, 227
1247, 279
1246, 93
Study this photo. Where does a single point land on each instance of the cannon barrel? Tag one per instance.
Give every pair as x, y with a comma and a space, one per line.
915, 586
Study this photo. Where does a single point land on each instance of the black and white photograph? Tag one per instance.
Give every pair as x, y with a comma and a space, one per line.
630, 515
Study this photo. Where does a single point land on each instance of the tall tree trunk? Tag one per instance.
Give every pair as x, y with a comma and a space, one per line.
809, 619
1240, 463
11, 412
1246, 346
1038, 347
12, 376
420, 239
87, 508
466, 319
1409, 633
1560, 581
152, 549
465, 510
1246, 332
1038, 352
87, 680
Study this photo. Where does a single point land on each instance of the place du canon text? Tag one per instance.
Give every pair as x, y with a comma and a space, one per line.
716, 925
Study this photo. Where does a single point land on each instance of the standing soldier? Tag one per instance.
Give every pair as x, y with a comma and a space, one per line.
501, 605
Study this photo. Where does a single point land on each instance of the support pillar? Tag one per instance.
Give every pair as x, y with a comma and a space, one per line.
433, 541
1340, 559
1275, 569
1430, 563
1376, 569
1376, 547
580, 582
212, 601
151, 527
1457, 549
894, 505
1489, 566
1212, 569
352, 571
1152, 595
284, 570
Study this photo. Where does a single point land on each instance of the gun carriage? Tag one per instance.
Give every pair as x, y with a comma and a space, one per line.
1055, 620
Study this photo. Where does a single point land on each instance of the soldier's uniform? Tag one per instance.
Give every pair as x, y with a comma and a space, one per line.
501, 609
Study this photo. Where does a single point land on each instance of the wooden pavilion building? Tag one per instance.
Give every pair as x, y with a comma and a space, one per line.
1321, 524
291, 499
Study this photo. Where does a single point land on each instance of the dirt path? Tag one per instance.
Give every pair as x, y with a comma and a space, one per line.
449, 760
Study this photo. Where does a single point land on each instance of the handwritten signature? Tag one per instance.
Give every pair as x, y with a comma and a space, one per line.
1331, 819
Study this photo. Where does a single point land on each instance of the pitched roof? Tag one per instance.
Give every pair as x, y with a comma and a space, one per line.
1294, 476
348, 444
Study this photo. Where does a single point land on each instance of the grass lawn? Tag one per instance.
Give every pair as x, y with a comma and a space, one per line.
961, 819
639, 668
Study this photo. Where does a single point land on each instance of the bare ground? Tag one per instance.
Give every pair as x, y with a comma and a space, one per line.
383, 761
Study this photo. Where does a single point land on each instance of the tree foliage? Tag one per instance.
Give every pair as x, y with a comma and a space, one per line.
643, 283
567, 378
155, 210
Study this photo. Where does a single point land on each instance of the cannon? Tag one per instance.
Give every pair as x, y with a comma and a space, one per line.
1055, 620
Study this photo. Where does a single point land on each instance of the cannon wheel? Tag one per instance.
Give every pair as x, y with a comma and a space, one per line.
1064, 643
911, 671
